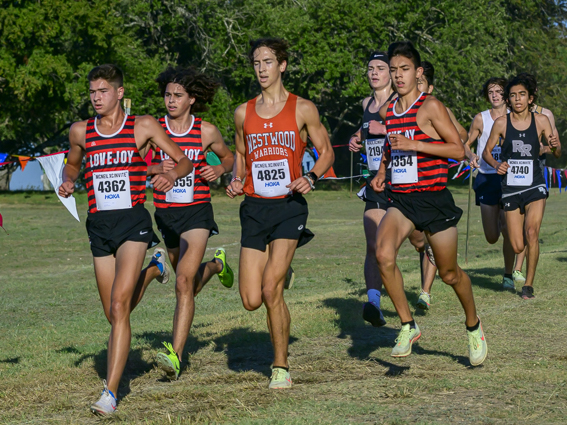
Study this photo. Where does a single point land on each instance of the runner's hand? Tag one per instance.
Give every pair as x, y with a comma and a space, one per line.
502, 168
163, 182
474, 161
167, 165
378, 183
300, 185
354, 144
374, 127
234, 189
212, 172
66, 189
554, 141
402, 143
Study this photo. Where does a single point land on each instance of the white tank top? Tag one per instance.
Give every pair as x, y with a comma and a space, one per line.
487, 123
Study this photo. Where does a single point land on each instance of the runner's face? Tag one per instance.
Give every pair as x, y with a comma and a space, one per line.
423, 85
266, 67
378, 75
104, 96
404, 74
495, 95
177, 101
519, 98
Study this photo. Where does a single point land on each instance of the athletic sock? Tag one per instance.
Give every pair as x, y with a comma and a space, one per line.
473, 328
221, 263
412, 324
281, 367
508, 275
374, 297
113, 396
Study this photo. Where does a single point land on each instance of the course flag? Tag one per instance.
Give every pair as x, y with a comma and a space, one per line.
53, 167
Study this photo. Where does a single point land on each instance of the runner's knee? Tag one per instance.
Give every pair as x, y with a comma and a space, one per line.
271, 294
251, 303
183, 284
385, 257
450, 276
531, 235
119, 309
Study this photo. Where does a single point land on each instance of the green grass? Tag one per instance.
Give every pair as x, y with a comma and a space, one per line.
54, 334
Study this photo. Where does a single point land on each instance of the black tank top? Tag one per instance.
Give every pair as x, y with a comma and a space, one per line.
521, 150
376, 140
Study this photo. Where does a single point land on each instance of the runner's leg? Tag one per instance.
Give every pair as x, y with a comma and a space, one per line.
428, 270
532, 225
251, 269
515, 226
129, 261
105, 267
507, 250
146, 276
393, 230
444, 245
490, 215
371, 222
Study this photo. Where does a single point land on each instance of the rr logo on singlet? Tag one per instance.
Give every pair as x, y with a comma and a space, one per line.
520, 146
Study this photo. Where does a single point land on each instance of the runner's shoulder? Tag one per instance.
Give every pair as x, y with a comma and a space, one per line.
365, 102
306, 108
543, 118
78, 132
240, 114
208, 131
145, 120
433, 105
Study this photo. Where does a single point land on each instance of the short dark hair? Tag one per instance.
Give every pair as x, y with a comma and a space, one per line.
108, 72
197, 85
493, 81
526, 80
428, 72
277, 45
405, 49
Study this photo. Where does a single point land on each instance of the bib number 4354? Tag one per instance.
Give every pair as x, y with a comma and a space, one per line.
404, 167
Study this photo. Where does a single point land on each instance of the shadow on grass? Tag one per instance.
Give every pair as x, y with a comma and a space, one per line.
483, 277
13, 360
248, 350
562, 259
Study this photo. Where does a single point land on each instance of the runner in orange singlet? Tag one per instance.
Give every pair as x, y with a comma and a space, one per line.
118, 225
271, 135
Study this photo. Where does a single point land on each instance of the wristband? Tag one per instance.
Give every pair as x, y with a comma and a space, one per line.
236, 179
312, 176
311, 184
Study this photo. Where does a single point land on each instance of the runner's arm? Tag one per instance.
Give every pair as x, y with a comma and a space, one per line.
460, 129
72, 168
498, 130
354, 144
150, 130
550, 135
474, 133
553, 140
320, 139
212, 139
239, 169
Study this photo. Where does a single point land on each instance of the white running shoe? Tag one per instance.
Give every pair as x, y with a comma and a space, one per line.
158, 259
106, 405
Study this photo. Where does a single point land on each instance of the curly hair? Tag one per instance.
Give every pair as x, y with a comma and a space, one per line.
197, 85
493, 81
277, 45
523, 79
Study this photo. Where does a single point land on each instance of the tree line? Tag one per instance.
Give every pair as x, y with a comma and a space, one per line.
47, 48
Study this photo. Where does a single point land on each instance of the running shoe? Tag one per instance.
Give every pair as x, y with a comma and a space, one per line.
373, 315
226, 275
430, 255
424, 301
106, 405
528, 292
280, 379
518, 277
289, 278
169, 363
158, 259
404, 341
477, 346
508, 284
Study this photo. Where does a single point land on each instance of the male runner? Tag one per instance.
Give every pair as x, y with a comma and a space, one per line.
372, 134
118, 225
271, 135
420, 139
184, 215
523, 188
487, 187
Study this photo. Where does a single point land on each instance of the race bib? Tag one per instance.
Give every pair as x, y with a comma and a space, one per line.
182, 190
112, 190
404, 166
374, 150
520, 172
496, 152
271, 178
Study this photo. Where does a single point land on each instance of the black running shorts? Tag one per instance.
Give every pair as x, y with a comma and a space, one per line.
374, 200
174, 221
265, 220
432, 211
488, 189
520, 200
108, 230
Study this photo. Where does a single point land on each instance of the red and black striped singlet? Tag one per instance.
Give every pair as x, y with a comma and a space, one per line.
431, 170
192, 146
108, 155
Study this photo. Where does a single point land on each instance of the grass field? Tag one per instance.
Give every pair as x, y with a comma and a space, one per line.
54, 334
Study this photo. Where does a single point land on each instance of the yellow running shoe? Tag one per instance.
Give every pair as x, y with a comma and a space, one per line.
477, 346
169, 363
226, 275
280, 379
404, 341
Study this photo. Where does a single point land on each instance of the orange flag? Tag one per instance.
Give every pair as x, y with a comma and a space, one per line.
330, 173
23, 160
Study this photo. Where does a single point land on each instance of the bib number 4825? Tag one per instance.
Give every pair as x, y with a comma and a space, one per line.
269, 175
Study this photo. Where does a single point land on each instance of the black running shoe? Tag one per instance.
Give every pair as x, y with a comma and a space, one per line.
528, 292
373, 315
